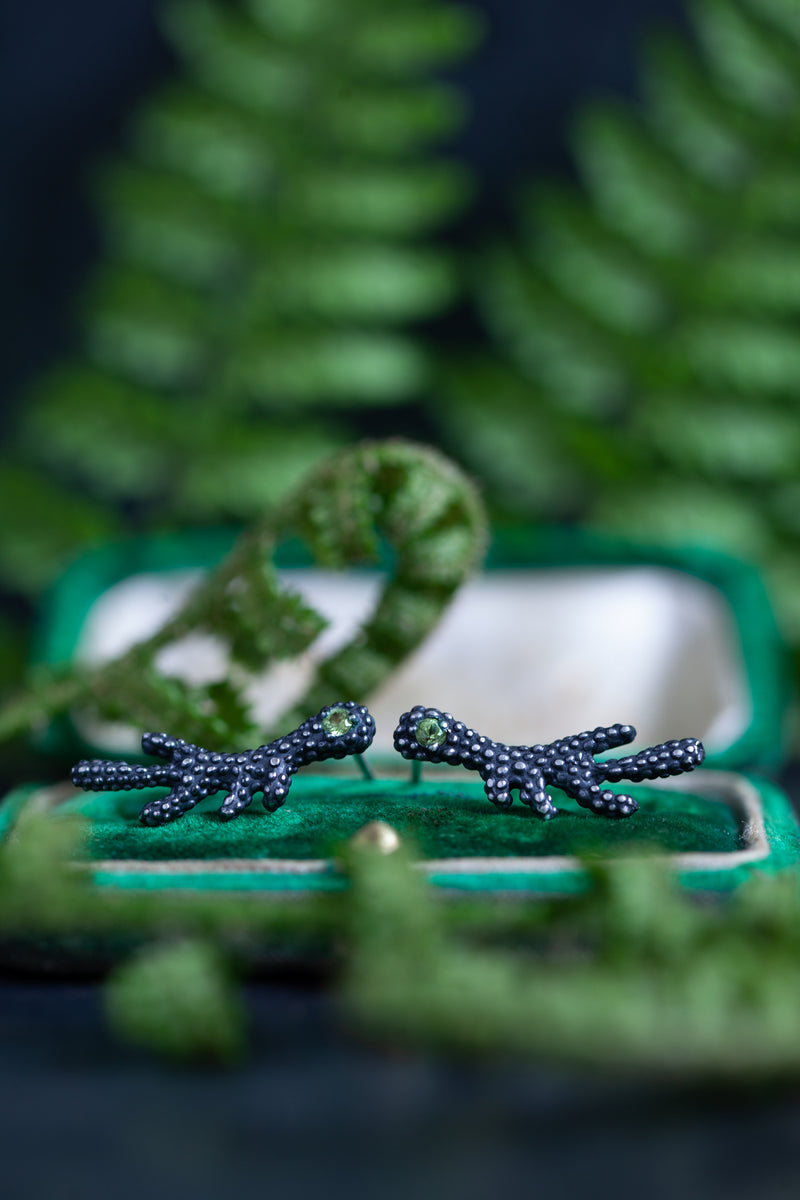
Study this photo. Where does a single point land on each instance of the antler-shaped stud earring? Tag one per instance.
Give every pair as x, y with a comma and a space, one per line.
192, 773
430, 735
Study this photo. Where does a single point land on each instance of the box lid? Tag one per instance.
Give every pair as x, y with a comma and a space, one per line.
563, 630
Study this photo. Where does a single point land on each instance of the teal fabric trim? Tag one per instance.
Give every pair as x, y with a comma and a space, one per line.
241, 881
783, 834
557, 884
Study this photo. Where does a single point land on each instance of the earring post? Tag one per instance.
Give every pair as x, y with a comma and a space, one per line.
364, 766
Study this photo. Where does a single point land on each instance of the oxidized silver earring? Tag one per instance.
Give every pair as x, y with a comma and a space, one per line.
430, 735
193, 773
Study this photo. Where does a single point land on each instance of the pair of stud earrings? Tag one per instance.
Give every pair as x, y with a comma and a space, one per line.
422, 735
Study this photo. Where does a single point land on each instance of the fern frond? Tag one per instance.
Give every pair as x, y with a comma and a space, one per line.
652, 320
410, 497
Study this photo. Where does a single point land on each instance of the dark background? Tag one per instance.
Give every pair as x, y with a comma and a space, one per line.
315, 1110
318, 1113
71, 70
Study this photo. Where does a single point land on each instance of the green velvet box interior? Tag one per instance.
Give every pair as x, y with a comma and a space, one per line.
441, 821
712, 834
714, 827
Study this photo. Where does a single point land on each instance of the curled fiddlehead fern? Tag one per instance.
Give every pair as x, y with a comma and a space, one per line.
406, 495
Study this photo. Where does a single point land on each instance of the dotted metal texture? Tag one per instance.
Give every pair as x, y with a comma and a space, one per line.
193, 773
430, 735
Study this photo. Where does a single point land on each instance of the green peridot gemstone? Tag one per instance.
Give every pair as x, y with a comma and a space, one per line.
338, 721
430, 732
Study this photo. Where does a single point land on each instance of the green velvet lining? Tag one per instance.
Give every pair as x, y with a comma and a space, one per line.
444, 822
447, 822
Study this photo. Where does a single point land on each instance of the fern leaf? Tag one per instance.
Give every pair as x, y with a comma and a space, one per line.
268, 257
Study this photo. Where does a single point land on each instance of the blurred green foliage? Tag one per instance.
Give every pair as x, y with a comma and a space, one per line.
177, 998
646, 327
267, 240
632, 977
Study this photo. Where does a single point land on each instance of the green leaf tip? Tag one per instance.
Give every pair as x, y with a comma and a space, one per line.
177, 999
